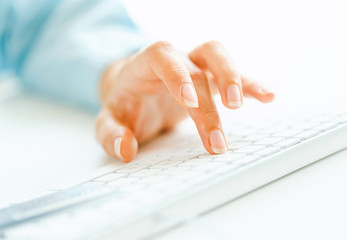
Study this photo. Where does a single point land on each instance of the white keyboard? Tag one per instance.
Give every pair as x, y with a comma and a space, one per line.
164, 189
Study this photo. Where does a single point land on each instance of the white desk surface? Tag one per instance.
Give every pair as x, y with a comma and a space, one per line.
43, 145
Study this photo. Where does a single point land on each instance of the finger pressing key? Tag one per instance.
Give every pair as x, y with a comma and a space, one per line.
206, 118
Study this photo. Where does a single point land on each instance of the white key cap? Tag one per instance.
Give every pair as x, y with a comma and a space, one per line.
246, 160
206, 155
195, 162
325, 126
304, 125
148, 161
274, 129
269, 141
268, 151
145, 172
130, 168
307, 134
209, 166
253, 137
287, 133
174, 171
165, 164
122, 181
225, 169
236, 145
249, 149
185, 156
229, 157
288, 142
321, 118
153, 179
187, 175
201, 178
109, 177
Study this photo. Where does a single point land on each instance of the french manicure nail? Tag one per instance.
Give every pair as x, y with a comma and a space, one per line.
234, 96
117, 146
217, 142
262, 90
189, 95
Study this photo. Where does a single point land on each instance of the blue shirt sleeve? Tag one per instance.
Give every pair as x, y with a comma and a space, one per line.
60, 48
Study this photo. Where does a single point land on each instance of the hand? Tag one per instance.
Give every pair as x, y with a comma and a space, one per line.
154, 89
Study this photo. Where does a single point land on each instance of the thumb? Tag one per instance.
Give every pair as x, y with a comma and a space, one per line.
117, 140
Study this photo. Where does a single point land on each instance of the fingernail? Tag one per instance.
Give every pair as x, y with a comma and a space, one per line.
217, 142
189, 95
234, 96
117, 146
262, 90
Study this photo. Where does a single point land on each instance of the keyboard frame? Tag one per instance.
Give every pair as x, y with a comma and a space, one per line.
244, 180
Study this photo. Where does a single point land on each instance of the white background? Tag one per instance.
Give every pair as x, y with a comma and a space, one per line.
306, 41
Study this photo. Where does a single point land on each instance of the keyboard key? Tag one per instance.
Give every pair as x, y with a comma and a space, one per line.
109, 177
148, 161
325, 126
268, 151
253, 137
249, 149
224, 169
288, 142
122, 181
209, 166
185, 156
165, 164
237, 145
130, 168
195, 162
287, 133
307, 134
269, 141
229, 157
322, 118
187, 175
145, 172
153, 179
246, 160
206, 155
174, 170
201, 178
305, 125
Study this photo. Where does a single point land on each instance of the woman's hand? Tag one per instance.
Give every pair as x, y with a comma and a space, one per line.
156, 88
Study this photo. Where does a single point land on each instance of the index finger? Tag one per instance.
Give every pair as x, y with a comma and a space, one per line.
165, 63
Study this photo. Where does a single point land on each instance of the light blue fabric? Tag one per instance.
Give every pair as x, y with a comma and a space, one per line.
60, 48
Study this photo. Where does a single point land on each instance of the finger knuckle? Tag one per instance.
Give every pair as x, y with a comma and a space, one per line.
160, 45
210, 115
213, 44
197, 75
179, 69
